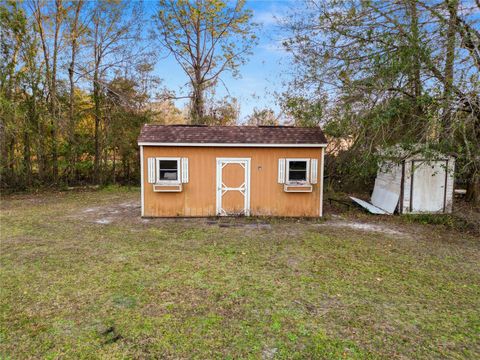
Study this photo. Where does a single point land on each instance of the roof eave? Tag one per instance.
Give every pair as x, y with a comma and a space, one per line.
301, 145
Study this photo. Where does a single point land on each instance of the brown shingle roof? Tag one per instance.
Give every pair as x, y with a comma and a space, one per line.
187, 134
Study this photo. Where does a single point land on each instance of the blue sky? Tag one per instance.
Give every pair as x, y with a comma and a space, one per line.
261, 76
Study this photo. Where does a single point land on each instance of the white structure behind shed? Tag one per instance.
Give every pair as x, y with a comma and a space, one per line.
413, 185
427, 185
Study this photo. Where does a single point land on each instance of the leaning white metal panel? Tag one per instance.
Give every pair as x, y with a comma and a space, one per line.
371, 208
387, 189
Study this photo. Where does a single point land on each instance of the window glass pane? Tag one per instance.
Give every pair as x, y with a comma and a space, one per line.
298, 175
168, 174
168, 164
298, 165
168, 170
297, 170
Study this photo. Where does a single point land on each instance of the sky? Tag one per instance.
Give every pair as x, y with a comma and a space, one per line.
262, 75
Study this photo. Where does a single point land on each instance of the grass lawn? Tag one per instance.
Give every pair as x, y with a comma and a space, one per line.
82, 276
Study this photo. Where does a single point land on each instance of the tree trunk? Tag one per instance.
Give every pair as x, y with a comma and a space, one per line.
128, 171
449, 62
42, 158
473, 189
4, 151
50, 79
104, 164
198, 108
416, 74
71, 116
97, 114
32, 126
53, 90
96, 98
54, 149
11, 156
416, 79
114, 178
71, 112
7, 141
27, 163
198, 87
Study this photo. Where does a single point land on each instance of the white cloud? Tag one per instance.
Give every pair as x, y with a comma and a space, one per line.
275, 46
272, 15
266, 18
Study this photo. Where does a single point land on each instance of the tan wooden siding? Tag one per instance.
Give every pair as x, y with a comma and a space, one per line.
198, 196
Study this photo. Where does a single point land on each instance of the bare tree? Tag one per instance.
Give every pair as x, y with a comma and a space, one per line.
76, 30
113, 37
50, 43
206, 38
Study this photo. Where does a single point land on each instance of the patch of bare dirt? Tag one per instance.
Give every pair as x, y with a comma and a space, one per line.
387, 228
113, 213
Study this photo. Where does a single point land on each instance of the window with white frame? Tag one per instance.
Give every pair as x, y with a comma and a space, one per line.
297, 170
168, 170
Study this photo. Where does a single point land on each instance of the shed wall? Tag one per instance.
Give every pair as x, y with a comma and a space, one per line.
412, 179
198, 196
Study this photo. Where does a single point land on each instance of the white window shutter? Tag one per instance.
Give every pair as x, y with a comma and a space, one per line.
151, 170
313, 171
281, 171
184, 170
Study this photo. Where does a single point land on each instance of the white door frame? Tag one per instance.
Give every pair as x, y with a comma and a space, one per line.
245, 163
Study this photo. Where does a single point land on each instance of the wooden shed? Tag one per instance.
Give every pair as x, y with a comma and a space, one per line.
189, 170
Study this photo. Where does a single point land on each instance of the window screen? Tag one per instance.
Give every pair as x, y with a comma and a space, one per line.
297, 170
168, 170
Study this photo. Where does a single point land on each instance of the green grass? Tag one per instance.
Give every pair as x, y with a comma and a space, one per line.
132, 288
455, 221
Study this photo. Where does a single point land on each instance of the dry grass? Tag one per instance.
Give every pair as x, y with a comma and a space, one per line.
82, 276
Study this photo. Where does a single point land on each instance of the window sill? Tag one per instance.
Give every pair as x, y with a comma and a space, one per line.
298, 187
167, 182
167, 187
